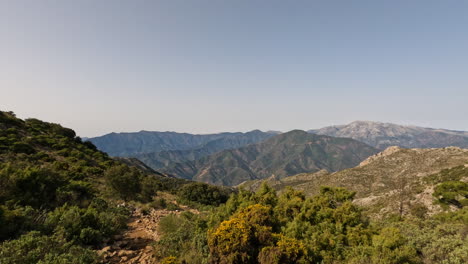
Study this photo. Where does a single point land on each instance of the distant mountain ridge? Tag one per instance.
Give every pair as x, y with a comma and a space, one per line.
143, 142
383, 135
157, 160
282, 155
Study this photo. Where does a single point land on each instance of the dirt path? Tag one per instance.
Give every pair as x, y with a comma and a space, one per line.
134, 245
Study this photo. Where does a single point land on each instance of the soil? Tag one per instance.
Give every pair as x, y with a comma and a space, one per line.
134, 246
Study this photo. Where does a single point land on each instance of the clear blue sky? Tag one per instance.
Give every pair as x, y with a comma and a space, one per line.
210, 66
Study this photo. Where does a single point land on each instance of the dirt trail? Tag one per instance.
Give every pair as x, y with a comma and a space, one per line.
134, 245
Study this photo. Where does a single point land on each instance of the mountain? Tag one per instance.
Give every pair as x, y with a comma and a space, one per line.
384, 180
383, 135
134, 162
280, 156
137, 143
157, 160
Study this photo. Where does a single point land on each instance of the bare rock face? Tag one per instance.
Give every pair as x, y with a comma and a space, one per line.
383, 135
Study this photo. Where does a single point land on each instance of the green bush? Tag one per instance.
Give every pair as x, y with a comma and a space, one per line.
86, 226
452, 193
19, 147
35, 248
124, 181
203, 193
159, 203
31, 186
183, 237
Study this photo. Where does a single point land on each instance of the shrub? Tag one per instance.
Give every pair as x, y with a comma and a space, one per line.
285, 250
124, 181
183, 237
452, 193
34, 186
35, 248
158, 203
203, 193
19, 147
239, 239
85, 225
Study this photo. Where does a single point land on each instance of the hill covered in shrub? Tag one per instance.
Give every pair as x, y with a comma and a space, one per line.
59, 195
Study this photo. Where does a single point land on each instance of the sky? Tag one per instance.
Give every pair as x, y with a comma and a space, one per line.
209, 66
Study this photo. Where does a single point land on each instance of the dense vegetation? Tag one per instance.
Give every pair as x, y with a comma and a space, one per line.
450, 190
263, 227
59, 195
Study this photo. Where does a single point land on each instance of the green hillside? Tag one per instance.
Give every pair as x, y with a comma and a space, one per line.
160, 159
58, 195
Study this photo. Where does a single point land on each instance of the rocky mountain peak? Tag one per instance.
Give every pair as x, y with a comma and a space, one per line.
383, 135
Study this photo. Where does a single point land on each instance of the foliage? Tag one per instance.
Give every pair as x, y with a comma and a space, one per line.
452, 193
124, 181
203, 193
291, 228
285, 250
86, 225
183, 237
452, 174
239, 239
33, 248
169, 260
58, 195
440, 239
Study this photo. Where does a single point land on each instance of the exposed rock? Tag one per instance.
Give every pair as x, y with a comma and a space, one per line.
387, 152
383, 135
134, 246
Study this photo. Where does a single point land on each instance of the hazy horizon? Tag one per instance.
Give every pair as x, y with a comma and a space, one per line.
227, 66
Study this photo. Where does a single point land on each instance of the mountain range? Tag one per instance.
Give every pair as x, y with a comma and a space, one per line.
279, 156
160, 159
231, 158
186, 146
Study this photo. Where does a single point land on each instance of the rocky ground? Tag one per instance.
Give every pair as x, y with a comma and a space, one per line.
134, 246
